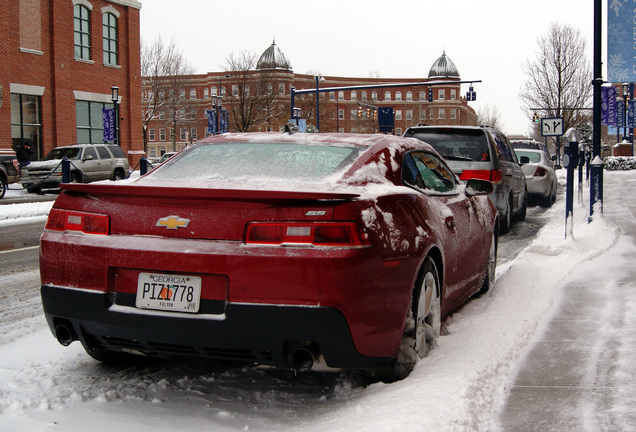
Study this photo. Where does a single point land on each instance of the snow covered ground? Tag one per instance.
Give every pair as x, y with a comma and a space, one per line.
460, 386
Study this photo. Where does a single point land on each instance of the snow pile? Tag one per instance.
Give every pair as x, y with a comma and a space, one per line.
620, 163
25, 212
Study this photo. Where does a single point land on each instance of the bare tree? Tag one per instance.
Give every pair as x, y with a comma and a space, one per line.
489, 115
251, 100
164, 70
559, 80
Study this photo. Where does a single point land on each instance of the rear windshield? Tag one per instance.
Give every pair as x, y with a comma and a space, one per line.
241, 160
60, 153
456, 145
533, 156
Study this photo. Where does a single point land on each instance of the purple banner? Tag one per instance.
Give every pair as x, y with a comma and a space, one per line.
211, 115
108, 117
608, 105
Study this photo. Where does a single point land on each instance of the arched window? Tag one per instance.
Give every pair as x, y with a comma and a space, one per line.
398, 96
387, 96
82, 29
110, 24
409, 96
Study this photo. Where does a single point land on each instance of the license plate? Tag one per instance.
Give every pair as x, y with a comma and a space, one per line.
168, 292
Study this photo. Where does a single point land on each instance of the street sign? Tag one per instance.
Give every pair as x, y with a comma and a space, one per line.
552, 126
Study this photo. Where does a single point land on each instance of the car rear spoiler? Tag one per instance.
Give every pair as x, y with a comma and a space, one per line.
168, 192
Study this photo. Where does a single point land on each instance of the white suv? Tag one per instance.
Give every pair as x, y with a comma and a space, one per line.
89, 162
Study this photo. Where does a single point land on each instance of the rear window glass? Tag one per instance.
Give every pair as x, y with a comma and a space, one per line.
117, 151
453, 145
533, 156
237, 161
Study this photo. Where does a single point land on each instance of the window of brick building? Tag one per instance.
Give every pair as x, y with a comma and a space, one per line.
26, 123
162, 134
151, 134
90, 123
398, 96
82, 31
110, 24
387, 96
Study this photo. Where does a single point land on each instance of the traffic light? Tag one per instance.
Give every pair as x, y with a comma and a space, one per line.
430, 95
368, 113
375, 114
359, 111
471, 95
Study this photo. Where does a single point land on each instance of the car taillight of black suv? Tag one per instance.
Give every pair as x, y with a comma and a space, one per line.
483, 153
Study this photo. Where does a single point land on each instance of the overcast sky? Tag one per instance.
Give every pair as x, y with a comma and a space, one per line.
488, 40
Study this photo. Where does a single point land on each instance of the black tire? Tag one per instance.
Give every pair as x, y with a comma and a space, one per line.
76, 177
506, 219
420, 329
118, 175
3, 187
524, 209
491, 267
547, 200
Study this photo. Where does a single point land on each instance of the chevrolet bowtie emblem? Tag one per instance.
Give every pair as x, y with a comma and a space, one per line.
173, 222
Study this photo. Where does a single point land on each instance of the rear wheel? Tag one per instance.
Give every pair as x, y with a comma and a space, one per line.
506, 219
118, 175
423, 324
3, 187
491, 267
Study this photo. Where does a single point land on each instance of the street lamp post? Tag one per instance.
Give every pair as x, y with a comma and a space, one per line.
217, 103
625, 94
114, 95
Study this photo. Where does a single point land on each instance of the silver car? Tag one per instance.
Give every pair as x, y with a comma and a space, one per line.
540, 176
89, 162
483, 153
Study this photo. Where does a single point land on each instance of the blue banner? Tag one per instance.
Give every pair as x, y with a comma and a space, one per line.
108, 118
608, 105
211, 115
224, 121
621, 50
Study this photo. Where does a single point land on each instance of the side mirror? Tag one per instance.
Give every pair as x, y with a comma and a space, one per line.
89, 157
524, 160
478, 187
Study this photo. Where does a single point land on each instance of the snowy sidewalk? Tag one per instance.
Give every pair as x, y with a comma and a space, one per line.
580, 375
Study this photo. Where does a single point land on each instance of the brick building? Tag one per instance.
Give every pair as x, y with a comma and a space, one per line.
59, 60
346, 110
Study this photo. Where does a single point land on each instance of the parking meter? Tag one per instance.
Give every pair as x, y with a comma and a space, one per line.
570, 162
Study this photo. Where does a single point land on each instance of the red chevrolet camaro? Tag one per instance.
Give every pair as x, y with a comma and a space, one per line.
297, 251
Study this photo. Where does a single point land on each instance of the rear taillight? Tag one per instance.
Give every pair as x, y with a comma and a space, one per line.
67, 220
330, 234
540, 172
494, 176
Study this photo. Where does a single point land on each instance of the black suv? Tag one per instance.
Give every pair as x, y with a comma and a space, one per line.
483, 153
8, 170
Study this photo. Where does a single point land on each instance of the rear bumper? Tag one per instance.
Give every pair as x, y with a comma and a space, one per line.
349, 301
261, 333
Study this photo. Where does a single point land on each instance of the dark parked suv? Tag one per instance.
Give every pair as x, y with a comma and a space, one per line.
483, 153
8, 170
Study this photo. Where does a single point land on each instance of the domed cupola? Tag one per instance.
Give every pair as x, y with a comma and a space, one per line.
273, 58
443, 68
